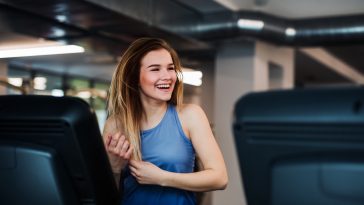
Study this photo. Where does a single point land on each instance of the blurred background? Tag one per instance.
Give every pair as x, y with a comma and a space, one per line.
228, 48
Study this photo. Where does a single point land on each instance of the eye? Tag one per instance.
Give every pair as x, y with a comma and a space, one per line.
171, 68
154, 69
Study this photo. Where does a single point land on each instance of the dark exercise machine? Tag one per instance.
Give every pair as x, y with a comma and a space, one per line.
302, 147
51, 152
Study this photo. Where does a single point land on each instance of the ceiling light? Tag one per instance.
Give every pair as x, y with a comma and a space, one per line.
57, 92
250, 24
58, 32
16, 81
290, 31
39, 51
192, 77
40, 83
61, 18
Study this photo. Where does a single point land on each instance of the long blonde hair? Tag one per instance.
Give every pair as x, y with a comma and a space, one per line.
124, 103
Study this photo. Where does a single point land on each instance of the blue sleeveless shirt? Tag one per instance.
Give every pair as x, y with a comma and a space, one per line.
167, 147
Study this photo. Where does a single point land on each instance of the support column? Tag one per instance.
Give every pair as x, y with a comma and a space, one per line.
273, 67
243, 67
3, 75
233, 77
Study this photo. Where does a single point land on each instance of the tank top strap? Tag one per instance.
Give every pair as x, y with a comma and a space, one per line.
174, 113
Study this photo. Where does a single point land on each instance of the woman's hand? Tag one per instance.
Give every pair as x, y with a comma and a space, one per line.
119, 151
146, 172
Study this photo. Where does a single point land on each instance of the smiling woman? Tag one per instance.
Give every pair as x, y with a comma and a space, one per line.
152, 138
157, 76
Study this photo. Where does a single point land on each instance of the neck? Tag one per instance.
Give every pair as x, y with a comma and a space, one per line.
152, 111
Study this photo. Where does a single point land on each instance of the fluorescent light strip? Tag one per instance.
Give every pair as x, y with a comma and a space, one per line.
195, 82
250, 24
38, 51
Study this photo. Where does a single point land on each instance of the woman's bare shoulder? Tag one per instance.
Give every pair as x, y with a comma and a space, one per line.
191, 113
190, 110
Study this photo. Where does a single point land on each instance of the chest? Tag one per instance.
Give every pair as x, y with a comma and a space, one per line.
168, 149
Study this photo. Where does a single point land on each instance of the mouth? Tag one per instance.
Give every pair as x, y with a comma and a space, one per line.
164, 86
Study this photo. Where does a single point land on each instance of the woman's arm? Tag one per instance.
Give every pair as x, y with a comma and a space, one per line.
213, 175
118, 148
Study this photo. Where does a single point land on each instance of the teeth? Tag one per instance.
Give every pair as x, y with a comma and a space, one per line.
163, 86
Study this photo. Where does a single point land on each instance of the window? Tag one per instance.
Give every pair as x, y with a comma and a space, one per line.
275, 76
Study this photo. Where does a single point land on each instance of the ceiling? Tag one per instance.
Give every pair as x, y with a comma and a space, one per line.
298, 9
105, 28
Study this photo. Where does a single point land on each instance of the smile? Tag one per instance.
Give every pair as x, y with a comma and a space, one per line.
163, 86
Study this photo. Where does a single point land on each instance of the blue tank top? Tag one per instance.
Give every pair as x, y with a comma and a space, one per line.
167, 147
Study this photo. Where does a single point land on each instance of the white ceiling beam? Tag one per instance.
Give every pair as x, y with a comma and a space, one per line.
335, 64
236, 5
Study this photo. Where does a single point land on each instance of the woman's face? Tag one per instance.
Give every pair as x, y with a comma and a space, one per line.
157, 76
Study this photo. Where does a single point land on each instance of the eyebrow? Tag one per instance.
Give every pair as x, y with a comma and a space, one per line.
157, 65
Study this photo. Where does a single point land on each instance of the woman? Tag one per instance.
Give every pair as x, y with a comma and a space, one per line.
152, 138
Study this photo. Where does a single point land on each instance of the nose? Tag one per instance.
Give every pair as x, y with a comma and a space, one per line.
165, 74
